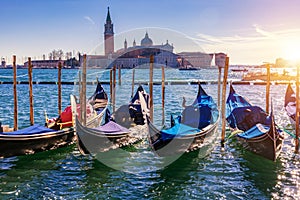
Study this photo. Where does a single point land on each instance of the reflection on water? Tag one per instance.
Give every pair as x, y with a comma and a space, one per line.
226, 173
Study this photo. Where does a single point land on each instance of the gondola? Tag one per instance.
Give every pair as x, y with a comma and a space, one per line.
253, 127
34, 139
130, 114
96, 104
108, 134
290, 104
56, 133
194, 129
290, 107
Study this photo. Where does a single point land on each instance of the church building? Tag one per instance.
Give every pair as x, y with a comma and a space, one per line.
135, 55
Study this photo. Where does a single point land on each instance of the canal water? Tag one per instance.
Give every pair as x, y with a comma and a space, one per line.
225, 173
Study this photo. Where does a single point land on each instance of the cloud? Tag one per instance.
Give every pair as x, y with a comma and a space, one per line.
90, 20
262, 35
217, 40
263, 32
252, 45
242, 44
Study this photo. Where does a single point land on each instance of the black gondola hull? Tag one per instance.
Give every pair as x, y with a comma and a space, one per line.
203, 140
244, 116
92, 141
29, 144
264, 145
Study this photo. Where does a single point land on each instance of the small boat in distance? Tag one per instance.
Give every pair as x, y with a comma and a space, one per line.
188, 67
274, 76
253, 127
238, 69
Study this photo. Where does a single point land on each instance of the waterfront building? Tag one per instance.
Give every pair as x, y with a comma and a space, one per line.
44, 63
3, 63
139, 54
197, 59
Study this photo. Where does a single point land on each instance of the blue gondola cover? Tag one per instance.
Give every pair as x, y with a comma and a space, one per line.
178, 130
35, 129
193, 118
255, 131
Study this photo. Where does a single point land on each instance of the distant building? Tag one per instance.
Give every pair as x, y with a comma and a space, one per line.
137, 55
197, 59
3, 63
108, 35
220, 59
280, 62
44, 63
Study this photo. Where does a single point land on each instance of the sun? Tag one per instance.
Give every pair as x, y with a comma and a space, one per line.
291, 52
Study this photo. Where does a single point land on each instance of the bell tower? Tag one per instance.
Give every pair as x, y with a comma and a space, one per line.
108, 35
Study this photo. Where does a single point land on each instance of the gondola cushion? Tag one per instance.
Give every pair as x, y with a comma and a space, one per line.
255, 131
34, 129
113, 128
178, 130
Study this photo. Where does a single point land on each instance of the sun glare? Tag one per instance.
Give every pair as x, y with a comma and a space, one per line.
291, 52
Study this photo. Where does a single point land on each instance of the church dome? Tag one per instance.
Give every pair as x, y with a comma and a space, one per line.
146, 41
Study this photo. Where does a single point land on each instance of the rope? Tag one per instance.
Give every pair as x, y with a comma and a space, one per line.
93, 74
288, 132
233, 133
12, 76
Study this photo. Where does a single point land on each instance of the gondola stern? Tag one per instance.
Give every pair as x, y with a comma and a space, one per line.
231, 89
201, 91
289, 95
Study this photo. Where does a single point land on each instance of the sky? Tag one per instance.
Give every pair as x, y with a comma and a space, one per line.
250, 32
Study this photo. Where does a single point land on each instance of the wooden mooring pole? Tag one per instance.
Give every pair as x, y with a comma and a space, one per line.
15, 95
132, 84
151, 87
224, 100
84, 89
268, 88
59, 88
111, 85
297, 112
219, 86
30, 91
114, 88
119, 75
80, 94
163, 93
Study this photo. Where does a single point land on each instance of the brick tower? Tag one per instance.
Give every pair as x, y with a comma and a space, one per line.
108, 35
